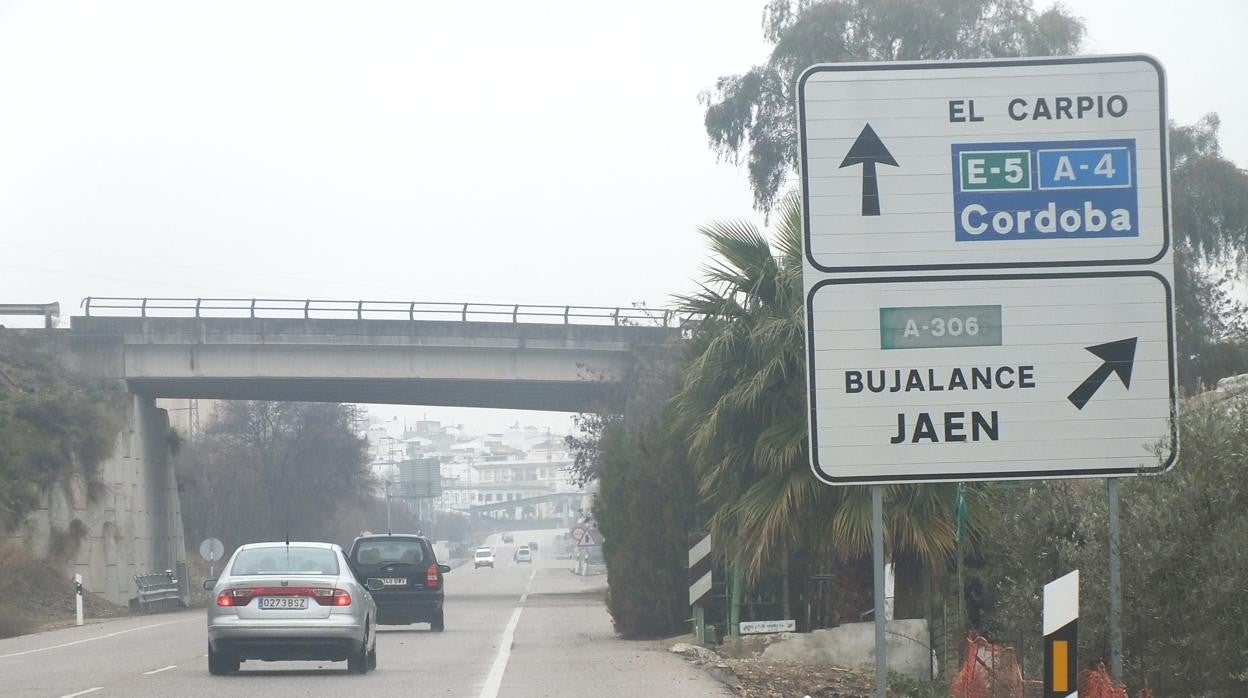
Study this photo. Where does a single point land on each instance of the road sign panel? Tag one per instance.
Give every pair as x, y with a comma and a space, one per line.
1026, 163
1075, 378
758, 627
211, 549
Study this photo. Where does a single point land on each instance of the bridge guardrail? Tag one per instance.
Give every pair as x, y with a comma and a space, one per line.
159, 591
309, 308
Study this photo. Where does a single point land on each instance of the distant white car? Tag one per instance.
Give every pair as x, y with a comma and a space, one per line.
523, 555
483, 557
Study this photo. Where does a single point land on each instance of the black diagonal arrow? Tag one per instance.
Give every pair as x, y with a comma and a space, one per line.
867, 150
1119, 357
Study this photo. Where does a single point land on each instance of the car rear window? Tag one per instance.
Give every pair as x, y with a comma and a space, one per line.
390, 551
287, 559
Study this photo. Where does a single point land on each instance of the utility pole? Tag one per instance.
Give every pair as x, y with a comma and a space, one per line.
388, 484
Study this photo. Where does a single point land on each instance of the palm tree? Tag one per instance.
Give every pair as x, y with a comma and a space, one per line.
742, 408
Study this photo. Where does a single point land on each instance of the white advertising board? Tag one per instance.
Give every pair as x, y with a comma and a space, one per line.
1026, 163
759, 627
993, 376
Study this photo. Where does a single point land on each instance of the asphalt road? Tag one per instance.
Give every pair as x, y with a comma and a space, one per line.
516, 630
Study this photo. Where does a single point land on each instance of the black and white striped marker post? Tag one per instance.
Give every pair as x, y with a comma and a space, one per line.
1061, 637
699, 583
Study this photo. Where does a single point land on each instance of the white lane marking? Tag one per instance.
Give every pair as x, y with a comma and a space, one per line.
525, 596
494, 680
163, 668
97, 637
82, 693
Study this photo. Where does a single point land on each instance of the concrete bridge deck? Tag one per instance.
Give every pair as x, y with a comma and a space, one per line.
538, 366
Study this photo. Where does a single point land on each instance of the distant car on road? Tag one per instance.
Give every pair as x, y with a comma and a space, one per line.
483, 557
290, 601
408, 578
523, 555
533, 546
508, 538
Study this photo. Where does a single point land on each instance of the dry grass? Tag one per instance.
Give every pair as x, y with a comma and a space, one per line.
39, 594
19, 574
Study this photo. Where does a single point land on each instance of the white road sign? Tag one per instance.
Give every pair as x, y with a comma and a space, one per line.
757, 627
1028, 163
991, 376
988, 269
211, 549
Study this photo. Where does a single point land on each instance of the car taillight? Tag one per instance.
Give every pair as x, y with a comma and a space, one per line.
431, 577
234, 597
331, 597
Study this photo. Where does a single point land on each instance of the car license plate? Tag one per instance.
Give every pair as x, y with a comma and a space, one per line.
394, 581
284, 603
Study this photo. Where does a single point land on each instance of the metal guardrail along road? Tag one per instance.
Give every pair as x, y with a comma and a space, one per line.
310, 308
158, 591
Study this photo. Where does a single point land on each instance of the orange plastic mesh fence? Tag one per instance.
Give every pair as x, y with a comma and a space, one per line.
992, 671
1097, 683
988, 671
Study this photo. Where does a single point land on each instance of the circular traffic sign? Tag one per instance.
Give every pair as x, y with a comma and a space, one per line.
578, 533
211, 549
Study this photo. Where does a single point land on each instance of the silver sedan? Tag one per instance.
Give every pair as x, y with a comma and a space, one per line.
290, 601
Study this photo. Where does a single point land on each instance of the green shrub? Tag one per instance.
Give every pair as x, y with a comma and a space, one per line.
645, 509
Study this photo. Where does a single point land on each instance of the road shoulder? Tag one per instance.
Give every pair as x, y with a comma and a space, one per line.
565, 645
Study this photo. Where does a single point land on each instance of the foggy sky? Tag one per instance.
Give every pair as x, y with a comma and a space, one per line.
546, 152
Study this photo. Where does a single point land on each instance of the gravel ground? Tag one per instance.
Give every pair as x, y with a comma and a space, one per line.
758, 678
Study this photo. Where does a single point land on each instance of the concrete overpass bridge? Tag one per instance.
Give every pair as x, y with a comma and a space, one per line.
561, 358
565, 503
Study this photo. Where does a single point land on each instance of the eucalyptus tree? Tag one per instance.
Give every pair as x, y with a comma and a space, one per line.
752, 116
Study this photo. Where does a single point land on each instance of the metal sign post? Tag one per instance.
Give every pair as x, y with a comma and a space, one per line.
877, 572
1115, 583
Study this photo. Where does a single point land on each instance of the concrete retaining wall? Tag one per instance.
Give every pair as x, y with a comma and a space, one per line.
852, 645
133, 527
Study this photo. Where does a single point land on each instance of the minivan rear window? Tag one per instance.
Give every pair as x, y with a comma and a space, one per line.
287, 559
388, 551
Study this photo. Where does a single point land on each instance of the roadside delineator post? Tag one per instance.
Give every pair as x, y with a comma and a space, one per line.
78, 599
700, 576
1061, 618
